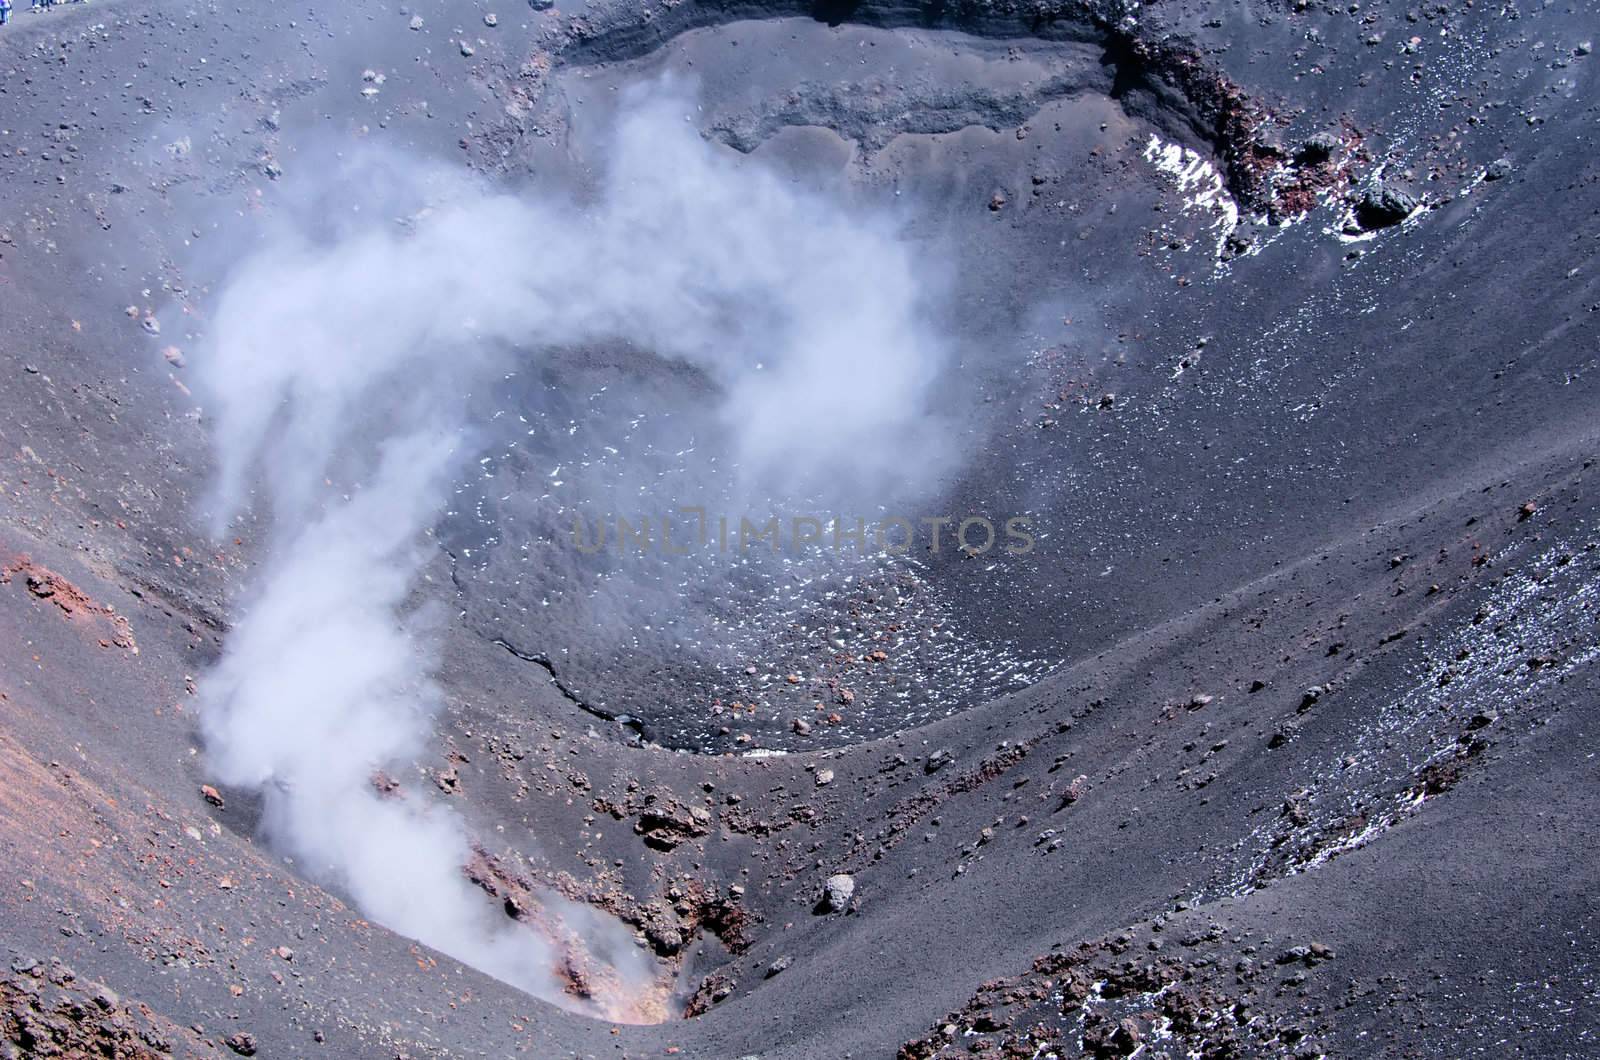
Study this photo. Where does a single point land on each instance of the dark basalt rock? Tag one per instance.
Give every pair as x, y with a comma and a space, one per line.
1384, 207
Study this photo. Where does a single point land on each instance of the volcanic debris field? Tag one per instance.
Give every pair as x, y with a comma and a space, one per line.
332, 337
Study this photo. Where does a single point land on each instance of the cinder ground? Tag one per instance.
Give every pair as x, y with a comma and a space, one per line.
1284, 745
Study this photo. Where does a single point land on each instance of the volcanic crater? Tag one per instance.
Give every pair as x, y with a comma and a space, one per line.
1273, 323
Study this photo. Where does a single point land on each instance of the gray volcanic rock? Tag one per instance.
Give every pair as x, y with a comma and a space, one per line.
838, 891
1384, 206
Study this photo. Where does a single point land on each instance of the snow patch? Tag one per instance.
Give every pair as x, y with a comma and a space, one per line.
1198, 181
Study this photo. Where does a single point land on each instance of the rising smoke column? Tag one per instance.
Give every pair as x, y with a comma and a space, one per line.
335, 375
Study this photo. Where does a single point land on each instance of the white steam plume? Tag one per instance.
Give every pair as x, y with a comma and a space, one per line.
346, 357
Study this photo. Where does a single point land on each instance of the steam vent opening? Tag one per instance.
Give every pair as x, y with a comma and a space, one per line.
772, 530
